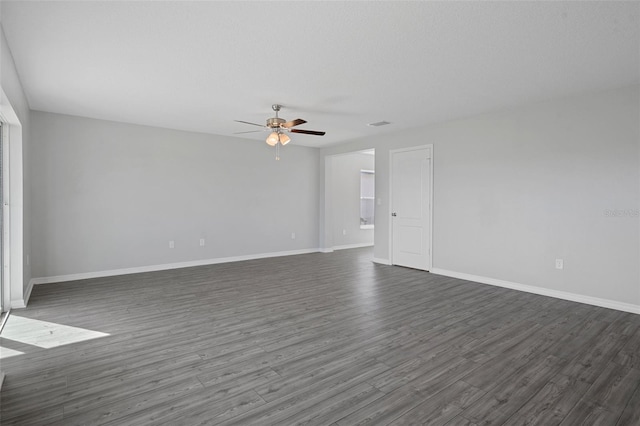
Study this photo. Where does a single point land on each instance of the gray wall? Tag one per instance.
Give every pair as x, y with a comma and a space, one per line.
109, 196
346, 198
516, 189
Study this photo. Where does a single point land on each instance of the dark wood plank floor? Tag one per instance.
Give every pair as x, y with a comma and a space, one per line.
326, 339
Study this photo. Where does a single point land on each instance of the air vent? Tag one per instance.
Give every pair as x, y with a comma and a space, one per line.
378, 124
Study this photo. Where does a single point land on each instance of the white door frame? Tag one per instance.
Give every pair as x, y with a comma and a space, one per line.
14, 207
413, 148
6, 219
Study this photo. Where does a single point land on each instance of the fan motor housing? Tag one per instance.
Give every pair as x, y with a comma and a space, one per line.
275, 122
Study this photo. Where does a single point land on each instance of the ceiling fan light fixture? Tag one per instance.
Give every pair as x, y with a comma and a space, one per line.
279, 128
272, 139
284, 139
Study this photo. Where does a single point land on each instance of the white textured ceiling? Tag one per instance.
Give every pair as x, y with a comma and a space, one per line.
340, 65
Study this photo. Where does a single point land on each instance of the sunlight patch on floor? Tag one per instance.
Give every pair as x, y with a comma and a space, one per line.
45, 334
6, 352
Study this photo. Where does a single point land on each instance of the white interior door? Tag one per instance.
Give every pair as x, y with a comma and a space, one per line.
411, 208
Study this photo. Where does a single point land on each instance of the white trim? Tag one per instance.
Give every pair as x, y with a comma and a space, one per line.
573, 297
326, 250
381, 261
22, 303
367, 226
413, 148
4, 319
163, 267
15, 208
5, 267
352, 246
431, 209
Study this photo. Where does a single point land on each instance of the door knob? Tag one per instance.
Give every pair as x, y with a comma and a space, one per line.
394, 214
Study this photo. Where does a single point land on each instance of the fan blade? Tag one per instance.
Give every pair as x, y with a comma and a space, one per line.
250, 131
292, 123
308, 132
246, 122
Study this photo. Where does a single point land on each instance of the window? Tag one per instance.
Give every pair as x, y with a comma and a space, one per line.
367, 197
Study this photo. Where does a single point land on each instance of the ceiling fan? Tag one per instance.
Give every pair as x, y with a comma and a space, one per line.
279, 127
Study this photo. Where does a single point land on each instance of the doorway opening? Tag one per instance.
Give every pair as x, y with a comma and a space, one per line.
350, 208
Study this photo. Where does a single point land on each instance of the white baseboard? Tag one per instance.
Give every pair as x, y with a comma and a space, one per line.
163, 267
573, 297
352, 246
605, 303
326, 250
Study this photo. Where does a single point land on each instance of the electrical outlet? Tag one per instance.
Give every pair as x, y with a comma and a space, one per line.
201, 242
559, 264
171, 244
293, 235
